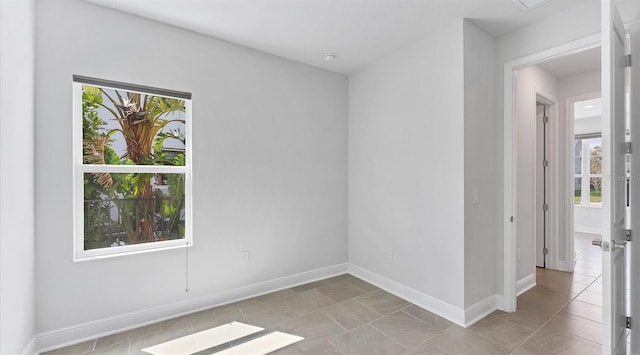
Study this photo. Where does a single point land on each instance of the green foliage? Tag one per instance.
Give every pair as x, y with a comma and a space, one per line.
144, 214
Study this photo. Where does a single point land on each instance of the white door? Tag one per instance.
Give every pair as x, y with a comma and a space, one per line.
634, 197
614, 181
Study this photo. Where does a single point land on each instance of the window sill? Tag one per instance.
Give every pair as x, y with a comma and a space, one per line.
114, 252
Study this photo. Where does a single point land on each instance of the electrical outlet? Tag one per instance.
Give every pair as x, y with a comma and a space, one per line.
244, 257
390, 253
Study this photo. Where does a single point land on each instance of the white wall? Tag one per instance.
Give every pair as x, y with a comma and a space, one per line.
480, 164
406, 166
270, 158
17, 275
585, 218
529, 81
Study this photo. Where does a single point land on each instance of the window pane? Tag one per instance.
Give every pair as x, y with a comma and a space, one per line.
577, 147
577, 165
125, 127
577, 188
595, 190
122, 209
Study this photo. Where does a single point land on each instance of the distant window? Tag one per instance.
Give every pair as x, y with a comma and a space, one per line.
132, 168
588, 170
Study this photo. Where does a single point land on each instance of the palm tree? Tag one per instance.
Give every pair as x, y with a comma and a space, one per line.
141, 119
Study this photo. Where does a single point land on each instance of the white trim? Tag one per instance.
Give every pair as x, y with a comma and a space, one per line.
526, 283
79, 253
482, 309
509, 183
589, 230
432, 304
550, 235
30, 349
91, 330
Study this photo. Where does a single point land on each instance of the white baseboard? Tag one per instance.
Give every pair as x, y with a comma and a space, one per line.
482, 309
95, 329
589, 230
525, 284
443, 309
30, 349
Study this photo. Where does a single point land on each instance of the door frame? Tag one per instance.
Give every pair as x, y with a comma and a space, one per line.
569, 110
549, 183
510, 244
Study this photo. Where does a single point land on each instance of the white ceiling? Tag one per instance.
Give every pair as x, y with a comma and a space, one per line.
356, 31
579, 63
587, 108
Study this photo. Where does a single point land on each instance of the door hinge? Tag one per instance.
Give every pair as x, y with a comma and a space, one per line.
627, 147
627, 60
545, 119
545, 163
545, 251
545, 207
628, 235
511, 219
628, 322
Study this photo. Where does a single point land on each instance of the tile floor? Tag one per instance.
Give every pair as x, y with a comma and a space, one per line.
345, 315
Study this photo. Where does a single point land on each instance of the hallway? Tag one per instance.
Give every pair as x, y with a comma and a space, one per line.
562, 314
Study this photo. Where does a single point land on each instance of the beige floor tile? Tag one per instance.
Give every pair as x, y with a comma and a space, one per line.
325, 348
595, 287
405, 329
501, 331
575, 325
530, 319
268, 314
457, 340
309, 286
382, 302
308, 301
351, 314
218, 317
77, 349
315, 327
430, 318
115, 349
425, 349
584, 310
554, 341
590, 297
367, 340
277, 296
363, 285
339, 278
341, 291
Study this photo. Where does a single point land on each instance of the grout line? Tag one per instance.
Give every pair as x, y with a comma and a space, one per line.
553, 316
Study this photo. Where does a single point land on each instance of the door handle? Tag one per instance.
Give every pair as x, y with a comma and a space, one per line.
605, 246
618, 245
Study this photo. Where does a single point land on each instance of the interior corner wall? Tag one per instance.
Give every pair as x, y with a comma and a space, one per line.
528, 81
17, 275
480, 165
406, 166
269, 164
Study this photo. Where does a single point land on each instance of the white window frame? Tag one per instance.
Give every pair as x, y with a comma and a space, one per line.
586, 174
80, 169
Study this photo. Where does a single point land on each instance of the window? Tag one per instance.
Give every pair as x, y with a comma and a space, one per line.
588, 170
132, 161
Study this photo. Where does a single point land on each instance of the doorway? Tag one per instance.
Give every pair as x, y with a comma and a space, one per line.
555, 185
